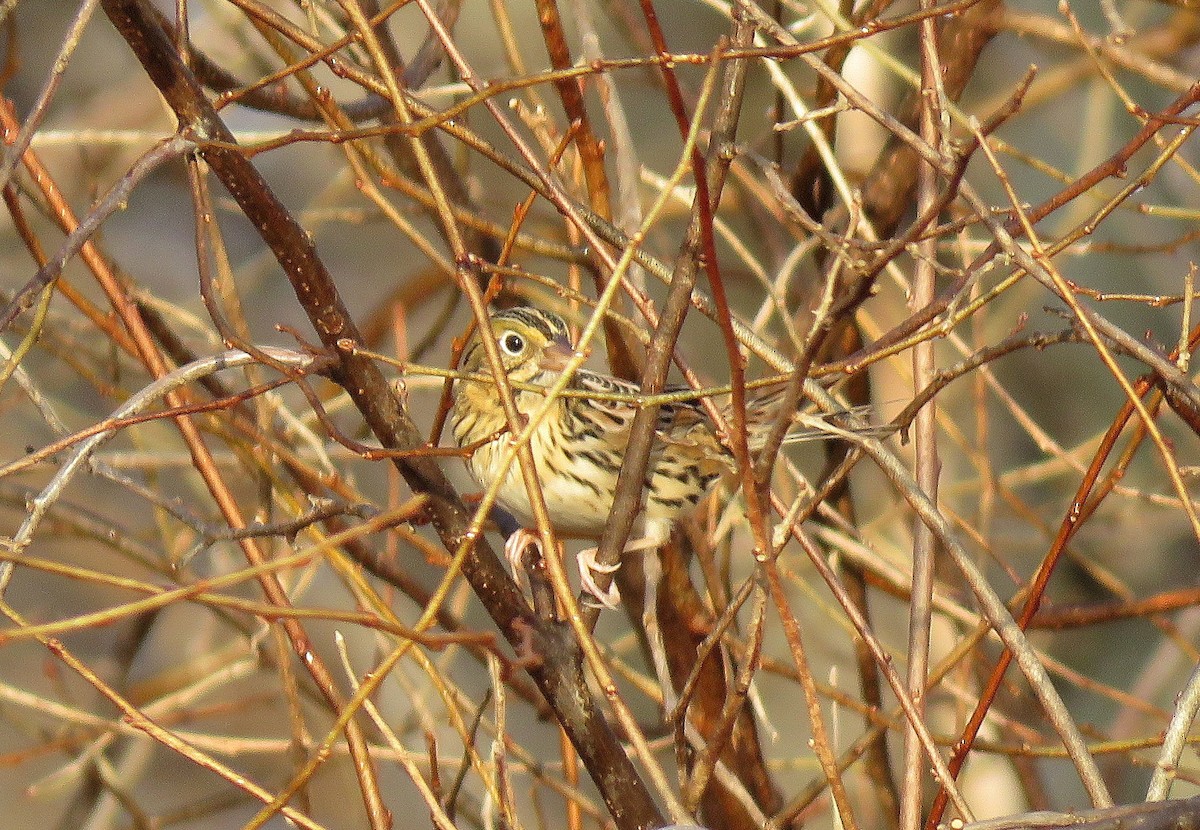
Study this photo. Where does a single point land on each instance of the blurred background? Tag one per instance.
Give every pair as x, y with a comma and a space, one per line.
820, 200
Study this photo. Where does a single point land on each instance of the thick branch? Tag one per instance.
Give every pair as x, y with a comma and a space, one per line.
558, 675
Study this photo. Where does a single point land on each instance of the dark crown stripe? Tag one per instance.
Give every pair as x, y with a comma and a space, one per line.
550, 325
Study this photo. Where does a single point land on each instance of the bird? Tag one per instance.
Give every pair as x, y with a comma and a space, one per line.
579, 446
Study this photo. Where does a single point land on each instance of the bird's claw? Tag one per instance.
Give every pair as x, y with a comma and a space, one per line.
514, 551
588, 566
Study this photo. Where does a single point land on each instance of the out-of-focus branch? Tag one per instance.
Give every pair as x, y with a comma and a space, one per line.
557, 675
1162, 815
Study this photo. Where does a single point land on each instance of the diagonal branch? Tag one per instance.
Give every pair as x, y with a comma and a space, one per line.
558, 675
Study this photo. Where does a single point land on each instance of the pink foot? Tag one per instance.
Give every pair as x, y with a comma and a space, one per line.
588, 567
515, 547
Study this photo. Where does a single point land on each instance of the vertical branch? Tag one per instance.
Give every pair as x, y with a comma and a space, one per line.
920, 609
591, 154
571, 94
557, 675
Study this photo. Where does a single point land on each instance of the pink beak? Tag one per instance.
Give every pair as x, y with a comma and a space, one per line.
555, 356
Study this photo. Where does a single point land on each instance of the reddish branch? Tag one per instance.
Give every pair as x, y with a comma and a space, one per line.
559, 677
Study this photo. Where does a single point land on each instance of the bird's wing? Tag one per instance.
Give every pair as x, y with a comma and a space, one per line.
683, 431
674, 419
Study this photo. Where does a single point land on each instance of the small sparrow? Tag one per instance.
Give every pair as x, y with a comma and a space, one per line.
579, 447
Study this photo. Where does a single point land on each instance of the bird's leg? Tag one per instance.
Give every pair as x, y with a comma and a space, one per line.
652, 569
609, 597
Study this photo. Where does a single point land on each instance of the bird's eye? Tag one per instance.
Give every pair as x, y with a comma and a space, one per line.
512, 343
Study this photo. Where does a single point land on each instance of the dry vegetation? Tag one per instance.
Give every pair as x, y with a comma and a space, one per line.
242, 577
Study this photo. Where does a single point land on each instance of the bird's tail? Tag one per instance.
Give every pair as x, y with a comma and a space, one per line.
763, 412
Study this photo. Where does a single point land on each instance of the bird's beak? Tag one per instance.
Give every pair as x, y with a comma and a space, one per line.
555, 356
